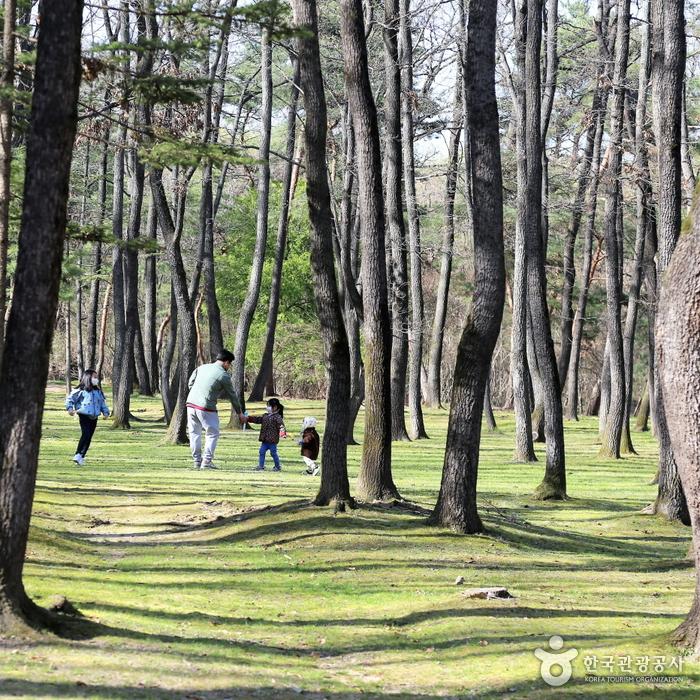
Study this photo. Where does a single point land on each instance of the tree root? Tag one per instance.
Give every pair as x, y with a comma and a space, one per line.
548, 491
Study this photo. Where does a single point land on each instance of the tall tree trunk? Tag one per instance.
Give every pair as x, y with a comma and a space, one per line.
31, 323
291, 169
7, 81
572, 400
524, 448
68, 354
103, 331
335, 486
409, 168
94, 302
169, 397
394, 172
612, 433
434, 383
250, 302
678, 346
212, 120
150, 297
686, 158
375, 480
643, 196
456, 504
554, 483
668, 68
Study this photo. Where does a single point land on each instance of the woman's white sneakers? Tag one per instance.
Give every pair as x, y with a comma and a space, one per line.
79, 459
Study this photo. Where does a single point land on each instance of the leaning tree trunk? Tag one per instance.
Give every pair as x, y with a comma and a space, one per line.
375, 480
7, 81
611, 436
150, 300
30, 327
524, 448
678, 353
335, 487
456, 504
572, 400
668, 68
394, 172
245, 320
553, 485
434, 383
265, 376
409, 169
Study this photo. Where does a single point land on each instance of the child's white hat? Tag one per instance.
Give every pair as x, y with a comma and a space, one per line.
309, 422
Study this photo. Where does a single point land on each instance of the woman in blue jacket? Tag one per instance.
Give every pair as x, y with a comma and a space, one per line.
88, 402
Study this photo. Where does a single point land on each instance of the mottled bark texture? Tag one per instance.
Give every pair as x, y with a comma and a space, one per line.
335, 487
30, 327
553, 485
375, 479
611, 435
678, 358
396, 230
668, 68
456, 504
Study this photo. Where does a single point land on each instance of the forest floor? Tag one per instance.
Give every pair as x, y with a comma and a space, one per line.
227, 584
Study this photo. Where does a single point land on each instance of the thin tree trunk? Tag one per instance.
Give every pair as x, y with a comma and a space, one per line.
31, 323
456, 505
375, 479
434, 383
612, 434
168, 397
291, 169
520, 372
488, 408
394, 173
553, 485
94, 302
335, 486
103, 331
686, 158
409, 169
68, 355
150, 301
250, 302
643, 196
7, 81
642, 422
586, 267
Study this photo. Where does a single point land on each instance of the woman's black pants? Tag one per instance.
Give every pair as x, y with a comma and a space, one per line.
87, 426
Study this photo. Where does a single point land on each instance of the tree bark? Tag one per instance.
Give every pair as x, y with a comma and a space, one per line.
375, 481
434, 383
611, 436
394, 172
456, 505
291, 168
250, 302
37, 279
643, 197
524, 448
678, 354
7, 81
335, 487
414, 239
150, 301
553, 485
668, 68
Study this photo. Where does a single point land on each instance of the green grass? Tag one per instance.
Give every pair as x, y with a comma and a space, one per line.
228, 585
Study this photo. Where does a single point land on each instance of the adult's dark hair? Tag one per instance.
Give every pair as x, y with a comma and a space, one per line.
275, 403
86, 380
225, 356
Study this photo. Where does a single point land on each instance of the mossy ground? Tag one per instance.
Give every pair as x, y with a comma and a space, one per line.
193, 587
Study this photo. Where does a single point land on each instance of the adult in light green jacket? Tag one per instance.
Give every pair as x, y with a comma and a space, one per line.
207, 384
